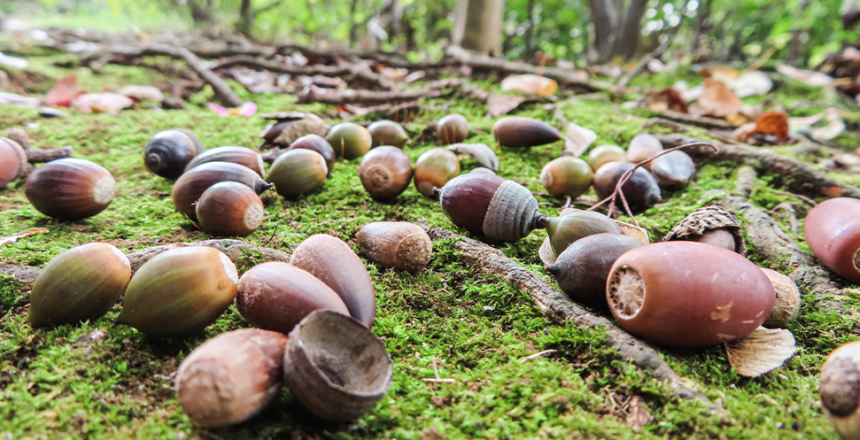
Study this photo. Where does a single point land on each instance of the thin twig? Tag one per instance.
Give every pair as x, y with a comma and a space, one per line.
537, 355
440, 380
801, 197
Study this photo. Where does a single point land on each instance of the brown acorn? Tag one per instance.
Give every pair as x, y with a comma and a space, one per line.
640, 191
349, 140
568, 228
644, 146
604, 154
316, 143
276, 296
387, 133
298, 172
516, 131
401, 245
239, 155
567, 176
832, 230
787, 303
492, 206
452, 129
433, 169
385, 172
289, 127
840, 390
229, 208
170, 151
188, 189
673, 171
70, 189
13, 161
711, 225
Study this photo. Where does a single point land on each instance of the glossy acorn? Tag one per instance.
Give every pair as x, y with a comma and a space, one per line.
570, 227
434, 169
276, 296
673, 171
298, 172
179, 292
349, 140
567, 176
385, 172
13, 161
452, 129
316, 143
229, 209
170, 151
516, 131
239, 155
191, 186
641, 190
398, 245
387, 132
70, 189
605, 154
231, 377
644, 146
81, 283
832, 230
840, 390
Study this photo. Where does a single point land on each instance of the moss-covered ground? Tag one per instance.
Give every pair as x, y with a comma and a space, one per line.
446, 320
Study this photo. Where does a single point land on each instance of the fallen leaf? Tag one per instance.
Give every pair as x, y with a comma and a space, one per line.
110, 103
502, 104
834, 127
64, 91
637, 415
773, 123
535, 84
809, 77
688, 94
674, 101
577, 139
751, 84
761, 352
139, 93
291, 126
718, 99
720, 73
26, 233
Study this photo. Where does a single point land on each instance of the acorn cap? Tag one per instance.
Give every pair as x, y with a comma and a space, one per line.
707, 220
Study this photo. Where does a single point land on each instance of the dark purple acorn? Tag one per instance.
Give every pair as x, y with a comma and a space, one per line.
516, 131
239, 155
640, 191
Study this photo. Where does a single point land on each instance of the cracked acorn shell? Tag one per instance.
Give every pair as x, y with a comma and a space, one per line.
643, 146
334, 263
787, 303
81, 283
239, 155
385, 172
229, 208
290, 127
516, 131
387, 132
70, 189
276, 296
605, 154
673, 171
832, 230
298, 172
13, 161
452, 129
170, 151
641, 190
231, 377
191, 186
688, 294
572, 226
398, 245
337, 368
349, 140
840, 390
179, 292
711, 225
567, 176
315, 143
434, 169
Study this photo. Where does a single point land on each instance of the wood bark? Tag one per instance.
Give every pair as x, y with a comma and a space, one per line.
630, 30
479, 25
604, 19
701, 26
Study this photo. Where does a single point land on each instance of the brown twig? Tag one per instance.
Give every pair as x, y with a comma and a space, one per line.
359, 72
434, 89
662, 122
801, 197
41, 156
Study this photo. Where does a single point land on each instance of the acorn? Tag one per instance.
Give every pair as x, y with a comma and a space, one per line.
516, 131
298, 172
570, 227
337, 368
179, 292
398, 245
231, 377
229, 208
605, 154
290, 127
334, 263
240, 155
452, 129
13, 161
489, 205
170, 151
840, 390
832, 230
81, 283
582, 269
70, 189
316, 143
567, 176
640, 191
688, 294
387, 132
711, 225
644, 146
787, 303
188, 188
385, 172
276, 296
349, 140
673, 171
433, 169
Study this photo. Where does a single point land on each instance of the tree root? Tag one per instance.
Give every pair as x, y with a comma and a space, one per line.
434, 89
746, 180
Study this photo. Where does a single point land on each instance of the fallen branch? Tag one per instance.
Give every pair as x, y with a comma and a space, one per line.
665, 123
42, 156
745, 182
352, 72
699, 121
434, 89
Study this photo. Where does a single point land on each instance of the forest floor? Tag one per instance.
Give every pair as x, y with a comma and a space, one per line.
447, 320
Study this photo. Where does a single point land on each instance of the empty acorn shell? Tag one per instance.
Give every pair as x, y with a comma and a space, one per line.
13, 161
452, 129
170, 151
349, 140
81, 283
644, 146
398, 245
179, 292
604, 154
276, 296
840, 390
673, 171
188, 189
334, 263
240, 155
290, 127
480, 152
640, 191
570, 227
298, 172
832, 230
337, 368
712, 225
567, 176
70, 189
231, 377
787, 303
316, 143
516, 131
229, 208
385, 172
434, 169
386, 132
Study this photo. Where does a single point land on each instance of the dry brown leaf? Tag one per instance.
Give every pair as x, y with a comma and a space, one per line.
634, 231
809, 77
139, 93
674, 101
535, 84
637, 415
25, 233
719, 100
764, 350
499, 105
577, 139
110, 103
751, 84
773, 123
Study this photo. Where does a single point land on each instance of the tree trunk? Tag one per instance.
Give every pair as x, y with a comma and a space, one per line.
604, 18
795, 45
246, 18
479, 25
353, 26
703, 16
627, 39
529, 53
201, 14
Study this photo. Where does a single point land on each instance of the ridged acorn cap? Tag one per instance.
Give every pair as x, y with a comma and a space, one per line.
713, 225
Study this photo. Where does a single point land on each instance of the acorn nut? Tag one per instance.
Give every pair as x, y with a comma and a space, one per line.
386, 132
298, 172
385, 172
640, 191
13, 161
434, 169
711, 225
349, 140
229, 208
316, 143
567, 176
840, 390
70, 189
452, 129
191, 185
398, 245
170, 151
643, 146
516, 131
832, 230
570, 227
239, 155
673, 171
605, 154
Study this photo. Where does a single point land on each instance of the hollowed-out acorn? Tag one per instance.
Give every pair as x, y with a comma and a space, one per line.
570, 227
13, 161
840, 390
349, 140
298, 172
787, 303
452, 129
170, 151
276, 296
81, 283
316, 143
337, 368
567, 176
179, 292
832, 230
231, 377
398, 245
711, 225
229, 208
334, 263
643, 146
582, 269
385, 172
387, 133
605, 154
239, 155
688, 294
673, 171
434, 169
188, 189
70, 189
489, 205
640, 191
516, 131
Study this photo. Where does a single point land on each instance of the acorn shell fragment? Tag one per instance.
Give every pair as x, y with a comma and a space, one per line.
761, 352
480, 152
704, 225
399, 245
787, 304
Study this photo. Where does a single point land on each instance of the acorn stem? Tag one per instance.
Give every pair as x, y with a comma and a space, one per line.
540, 221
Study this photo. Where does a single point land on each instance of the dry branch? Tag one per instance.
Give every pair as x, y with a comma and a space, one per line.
434, 89
699, 121
359, 72
41, 156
